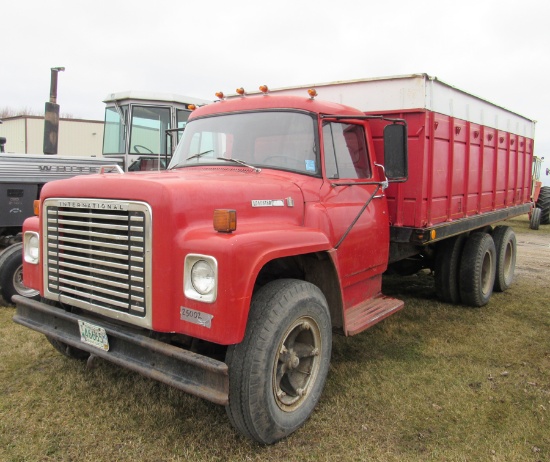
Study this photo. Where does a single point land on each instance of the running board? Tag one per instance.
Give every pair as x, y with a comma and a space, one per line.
370, 312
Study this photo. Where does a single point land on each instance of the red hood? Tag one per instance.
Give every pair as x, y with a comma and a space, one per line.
193, 193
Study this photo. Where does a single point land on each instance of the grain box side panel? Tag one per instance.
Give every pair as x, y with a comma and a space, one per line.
407, 201
457, 169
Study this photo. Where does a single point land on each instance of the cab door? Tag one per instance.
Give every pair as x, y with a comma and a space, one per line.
352, 181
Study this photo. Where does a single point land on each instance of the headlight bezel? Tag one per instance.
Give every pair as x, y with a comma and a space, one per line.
31, 247
200, 278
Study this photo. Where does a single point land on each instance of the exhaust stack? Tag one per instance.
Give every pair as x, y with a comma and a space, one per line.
51, 116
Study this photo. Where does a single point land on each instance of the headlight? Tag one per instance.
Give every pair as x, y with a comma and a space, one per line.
31, 246
203, 277
200, 278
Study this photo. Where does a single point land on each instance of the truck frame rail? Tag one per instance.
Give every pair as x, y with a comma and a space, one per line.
421, 236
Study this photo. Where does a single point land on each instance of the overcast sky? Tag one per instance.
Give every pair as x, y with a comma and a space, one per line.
496, 49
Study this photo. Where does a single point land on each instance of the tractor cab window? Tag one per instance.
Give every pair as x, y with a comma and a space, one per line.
181, 116
149, 125
114, 138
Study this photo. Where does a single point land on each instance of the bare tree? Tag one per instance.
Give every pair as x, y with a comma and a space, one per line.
11, 112
6, 112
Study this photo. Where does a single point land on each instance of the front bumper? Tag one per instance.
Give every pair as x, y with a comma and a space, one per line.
193, 373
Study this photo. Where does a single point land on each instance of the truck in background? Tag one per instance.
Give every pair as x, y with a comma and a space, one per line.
144, 127
540, 215
226, 275
141, 130
543, 204
536, 212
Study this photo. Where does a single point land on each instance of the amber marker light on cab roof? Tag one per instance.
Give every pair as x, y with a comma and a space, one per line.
312, 93
191, 107
220, 95
240, 91
264, 89
225, 220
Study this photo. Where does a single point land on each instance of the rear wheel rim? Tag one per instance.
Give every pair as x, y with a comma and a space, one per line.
508, 266
487, 273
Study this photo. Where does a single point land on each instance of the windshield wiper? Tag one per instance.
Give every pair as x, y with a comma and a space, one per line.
194, 156
240, 162
200, 154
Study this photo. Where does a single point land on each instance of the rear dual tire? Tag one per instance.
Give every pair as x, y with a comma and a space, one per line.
467, 270
447, 263
477, 270
506, 248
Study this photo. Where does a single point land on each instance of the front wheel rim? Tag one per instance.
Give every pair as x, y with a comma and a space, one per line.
297, 363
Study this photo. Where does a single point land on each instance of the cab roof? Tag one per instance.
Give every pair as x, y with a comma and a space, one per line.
259, 102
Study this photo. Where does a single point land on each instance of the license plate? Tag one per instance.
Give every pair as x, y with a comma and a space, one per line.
93, 335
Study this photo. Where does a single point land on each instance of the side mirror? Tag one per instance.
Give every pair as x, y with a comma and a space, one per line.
395, 153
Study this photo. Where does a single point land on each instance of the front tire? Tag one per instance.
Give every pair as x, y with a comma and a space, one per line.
278, 371
62, 347
68, 350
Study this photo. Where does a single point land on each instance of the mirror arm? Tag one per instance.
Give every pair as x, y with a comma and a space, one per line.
384, 184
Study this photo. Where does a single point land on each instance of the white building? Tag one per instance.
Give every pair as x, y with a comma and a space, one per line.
77, 137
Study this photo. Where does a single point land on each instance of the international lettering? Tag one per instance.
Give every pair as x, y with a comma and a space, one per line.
94, 205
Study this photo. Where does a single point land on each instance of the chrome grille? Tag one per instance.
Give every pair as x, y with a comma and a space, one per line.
97, 256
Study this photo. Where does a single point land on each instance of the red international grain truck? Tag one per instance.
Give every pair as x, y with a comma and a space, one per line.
226, 275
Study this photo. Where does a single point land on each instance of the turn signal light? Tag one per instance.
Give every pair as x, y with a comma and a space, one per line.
225, 220
36, 207
220, 95
264, 89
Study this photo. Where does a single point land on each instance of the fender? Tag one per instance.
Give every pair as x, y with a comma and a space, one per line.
240, 258
32, 274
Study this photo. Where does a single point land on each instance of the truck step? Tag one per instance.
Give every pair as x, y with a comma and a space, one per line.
370, 312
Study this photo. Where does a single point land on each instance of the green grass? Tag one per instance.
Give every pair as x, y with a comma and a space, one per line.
435, 382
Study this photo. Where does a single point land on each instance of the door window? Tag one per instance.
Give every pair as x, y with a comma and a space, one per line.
346, 154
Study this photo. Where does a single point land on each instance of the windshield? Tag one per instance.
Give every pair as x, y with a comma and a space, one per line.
275, 139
